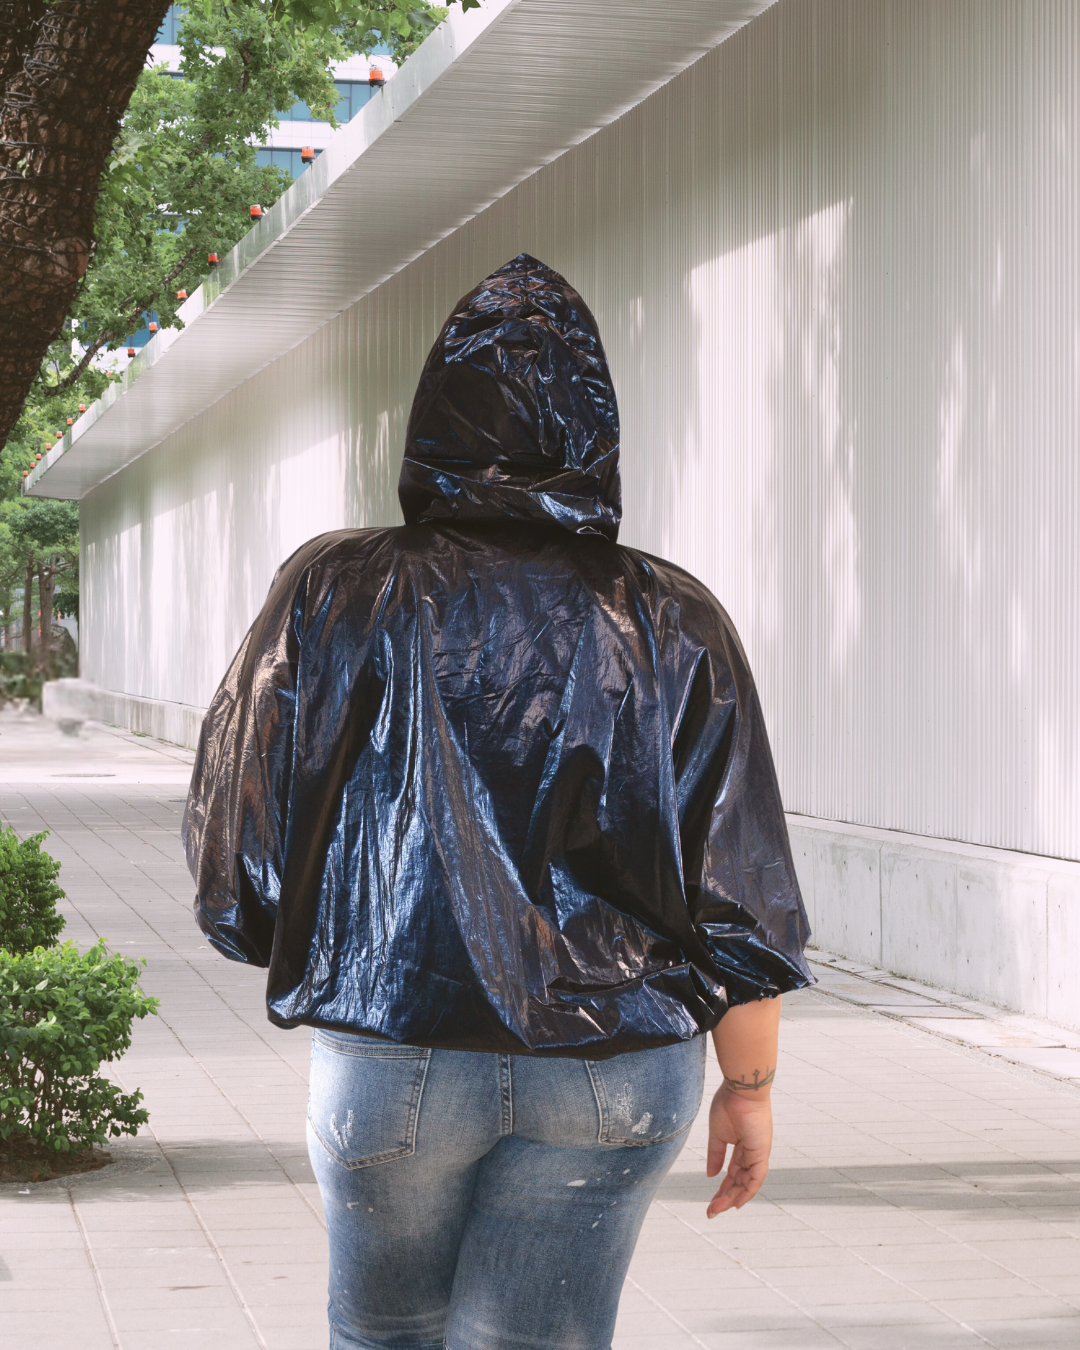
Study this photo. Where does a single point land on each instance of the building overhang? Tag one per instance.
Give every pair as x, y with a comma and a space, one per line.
488, 99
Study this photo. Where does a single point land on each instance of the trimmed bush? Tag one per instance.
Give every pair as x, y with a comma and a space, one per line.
62, 1014
28, 894
22, 676
18, 678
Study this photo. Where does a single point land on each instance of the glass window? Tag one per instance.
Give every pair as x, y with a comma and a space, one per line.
352, 95
170, 25
143, 335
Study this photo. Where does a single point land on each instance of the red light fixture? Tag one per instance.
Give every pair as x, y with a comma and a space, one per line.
38, 455
181, 295
152, 327
71, 421
375, 76
26, 473
48, 445
212, 259
256, 213
131, 351
307, 155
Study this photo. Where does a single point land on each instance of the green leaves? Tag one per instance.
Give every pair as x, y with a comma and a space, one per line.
184, 173
62, 1014
28, 895
400, 24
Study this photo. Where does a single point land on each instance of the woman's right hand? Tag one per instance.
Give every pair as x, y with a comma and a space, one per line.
744, 1123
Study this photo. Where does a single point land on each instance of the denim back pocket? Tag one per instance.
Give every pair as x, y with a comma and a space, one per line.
364, 1097
648, 1096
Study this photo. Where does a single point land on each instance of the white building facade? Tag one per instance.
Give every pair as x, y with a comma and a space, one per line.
834, 260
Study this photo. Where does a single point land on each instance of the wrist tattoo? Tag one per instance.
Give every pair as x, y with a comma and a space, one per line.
745, 1085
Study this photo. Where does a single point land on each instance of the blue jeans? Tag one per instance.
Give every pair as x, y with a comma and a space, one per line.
483, 1201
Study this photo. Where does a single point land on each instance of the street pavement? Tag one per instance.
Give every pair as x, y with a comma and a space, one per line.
924, 1193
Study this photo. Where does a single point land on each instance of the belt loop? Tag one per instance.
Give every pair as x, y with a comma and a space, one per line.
506, 1092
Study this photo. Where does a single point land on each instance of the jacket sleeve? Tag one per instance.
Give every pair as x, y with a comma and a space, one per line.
237, 808
741, 888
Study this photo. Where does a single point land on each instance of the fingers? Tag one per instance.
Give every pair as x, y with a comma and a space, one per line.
716, 1155
739, 1186
747, 1127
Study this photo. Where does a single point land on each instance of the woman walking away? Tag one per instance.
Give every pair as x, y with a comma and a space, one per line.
491, 797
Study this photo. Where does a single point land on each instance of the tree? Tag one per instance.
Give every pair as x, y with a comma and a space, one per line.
39, 540
178, 184
42, 541
68, 70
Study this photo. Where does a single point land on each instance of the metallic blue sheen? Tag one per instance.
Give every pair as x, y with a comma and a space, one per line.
489, 780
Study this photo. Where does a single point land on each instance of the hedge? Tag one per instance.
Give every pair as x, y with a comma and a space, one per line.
28, 894
63, 1014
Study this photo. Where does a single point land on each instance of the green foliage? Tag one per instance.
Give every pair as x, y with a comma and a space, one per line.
183, 174
28, 894
18, 678
177, 187
44, 534
22, 676
62, 1014
400, 25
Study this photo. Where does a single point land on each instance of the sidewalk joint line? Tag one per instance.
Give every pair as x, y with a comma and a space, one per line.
106, 1309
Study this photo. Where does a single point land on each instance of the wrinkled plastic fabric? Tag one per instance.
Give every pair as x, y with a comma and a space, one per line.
489, 780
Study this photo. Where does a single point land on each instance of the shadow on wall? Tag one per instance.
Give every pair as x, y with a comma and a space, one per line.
834, 266
867, 420
182, 547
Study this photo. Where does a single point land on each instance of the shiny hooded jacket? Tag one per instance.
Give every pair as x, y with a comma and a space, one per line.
489, 780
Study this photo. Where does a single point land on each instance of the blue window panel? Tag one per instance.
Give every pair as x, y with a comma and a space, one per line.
143, 335
170, 25
352, 95
289, 160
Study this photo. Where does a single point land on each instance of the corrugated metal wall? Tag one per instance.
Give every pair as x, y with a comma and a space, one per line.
835, 266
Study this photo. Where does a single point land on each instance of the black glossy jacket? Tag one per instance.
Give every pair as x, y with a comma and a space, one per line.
489, 780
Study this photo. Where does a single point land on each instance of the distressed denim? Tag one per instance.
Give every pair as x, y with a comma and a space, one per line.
481, 1201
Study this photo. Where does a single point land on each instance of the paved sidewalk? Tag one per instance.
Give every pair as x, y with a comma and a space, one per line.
924, 1193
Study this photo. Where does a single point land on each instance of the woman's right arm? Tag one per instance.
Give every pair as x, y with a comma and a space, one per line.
741, 1112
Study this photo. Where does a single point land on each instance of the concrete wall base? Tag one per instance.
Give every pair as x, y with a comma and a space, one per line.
984, 922
74, 701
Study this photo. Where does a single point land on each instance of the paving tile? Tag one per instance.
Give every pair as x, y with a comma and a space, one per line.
914, 1185
676, 1341
1029, 1333
809, 1336
910, 1315
943, 1336
1033, 1306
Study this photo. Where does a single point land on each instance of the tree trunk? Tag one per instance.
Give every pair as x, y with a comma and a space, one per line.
27, 608
5, 627
68, 69
46, 590
18, 19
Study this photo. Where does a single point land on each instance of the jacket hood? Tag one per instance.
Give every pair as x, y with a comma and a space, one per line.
515, 414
